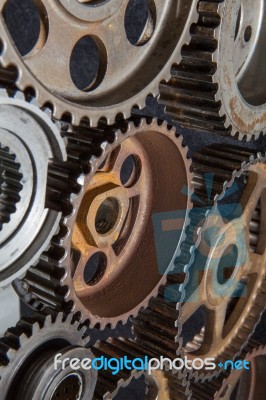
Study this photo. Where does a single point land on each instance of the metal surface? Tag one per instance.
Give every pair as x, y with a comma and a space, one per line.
29, 143
215, 87
27, 362
127, 72
127, 273
159, 327
228, 274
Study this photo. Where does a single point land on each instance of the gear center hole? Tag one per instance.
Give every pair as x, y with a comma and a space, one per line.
69, 388
227, 264
107, 215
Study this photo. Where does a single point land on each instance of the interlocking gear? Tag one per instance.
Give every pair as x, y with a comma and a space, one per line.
107, 267
159, 327
27, 368
215, 88
29, 143
127, 72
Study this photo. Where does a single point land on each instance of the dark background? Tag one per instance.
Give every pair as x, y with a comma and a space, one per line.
22, 19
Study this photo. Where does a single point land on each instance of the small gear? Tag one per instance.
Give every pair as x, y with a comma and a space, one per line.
101, 270
127, 72
27, 366
214, 88
29, 144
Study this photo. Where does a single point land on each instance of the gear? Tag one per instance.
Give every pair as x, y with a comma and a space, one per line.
29, 144
101, 270
158, 328
243, 384
28, 351
228, 281
127, 72
214, 88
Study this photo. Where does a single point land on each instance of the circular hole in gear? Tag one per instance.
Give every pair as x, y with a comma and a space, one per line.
248, 34
227, 264
24, 22
130, 171
107, 215
140, 21
70, 388
88, 63
95, 268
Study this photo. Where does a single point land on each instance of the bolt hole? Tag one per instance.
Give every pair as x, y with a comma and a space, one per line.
130, 171
27, 24
107, 215
88, 63
140, 21
227, 264
248, 34
95, 268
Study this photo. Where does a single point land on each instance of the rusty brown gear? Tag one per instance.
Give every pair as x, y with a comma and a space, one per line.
110, 222
214, 88
127, 72
231, 293
245, 384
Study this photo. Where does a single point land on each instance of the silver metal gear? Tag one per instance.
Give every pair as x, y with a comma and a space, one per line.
158, 328
27, 359
59, 279
127, 72
29, 144
214, 88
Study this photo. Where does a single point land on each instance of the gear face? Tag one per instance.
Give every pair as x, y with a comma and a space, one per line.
29, 143
110, 263
28, 351
129, 69
214, 87
227, 281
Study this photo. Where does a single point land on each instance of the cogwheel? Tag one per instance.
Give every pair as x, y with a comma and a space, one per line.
27, 368
214, 88
161, 327
227, 282
242, 384
98, 264
167, 386
128, 70
30, 143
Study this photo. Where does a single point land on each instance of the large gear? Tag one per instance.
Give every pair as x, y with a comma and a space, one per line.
27, 368
97, 267
127, 72
215, 88
159, 327
228, 273
29, 143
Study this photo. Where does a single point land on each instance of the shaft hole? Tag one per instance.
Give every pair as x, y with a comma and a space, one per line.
107, 215
140, 21
70, 386
88, 63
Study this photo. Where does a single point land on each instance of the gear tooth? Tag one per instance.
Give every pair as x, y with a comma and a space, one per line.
19, 96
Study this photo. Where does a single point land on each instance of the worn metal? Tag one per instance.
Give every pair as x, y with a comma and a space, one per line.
27, 364
127, 72
214, 88
29, 143
127, 273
